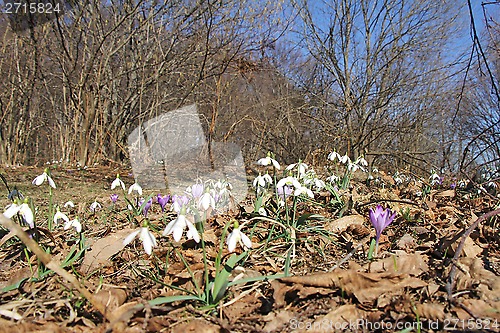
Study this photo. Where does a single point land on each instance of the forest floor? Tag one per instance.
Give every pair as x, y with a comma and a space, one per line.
313, 275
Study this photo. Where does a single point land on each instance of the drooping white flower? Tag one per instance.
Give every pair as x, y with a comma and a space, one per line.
73, 223
319, 184
333, 178
176, 228
290, 181
262, 181
237, 237
135, 188
268, 160
206, 201
95, 206
302, 167
25, 211
60, 216
303, 190
44, 177
342, 159
147, 238
69, 204
117, 182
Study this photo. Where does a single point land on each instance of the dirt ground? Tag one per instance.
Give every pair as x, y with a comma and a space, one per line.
413, 284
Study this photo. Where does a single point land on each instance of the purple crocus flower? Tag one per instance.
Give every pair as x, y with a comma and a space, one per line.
114, 197
380, 219
162, 201
146, 206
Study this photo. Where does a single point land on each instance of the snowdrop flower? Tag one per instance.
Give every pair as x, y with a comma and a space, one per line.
60, 216
262, 181
176, 228
362, 162
44, 177
290, 181
342, 159
319, 184
69, 204
206, 201
117, 182
435, 179
114, 197
95, 206
237, 237
73, 223
303, 190
25, 211
268, 160
135, 188
302, 167
397, 179
147, 238
333, 178
380, 219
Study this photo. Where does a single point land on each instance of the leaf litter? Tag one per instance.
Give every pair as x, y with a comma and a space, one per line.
332, 279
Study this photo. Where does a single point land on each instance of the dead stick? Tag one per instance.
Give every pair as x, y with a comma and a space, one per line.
451, 279
54, 265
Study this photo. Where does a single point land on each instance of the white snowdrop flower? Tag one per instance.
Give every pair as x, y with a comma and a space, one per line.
206, 201
290, 181
334, 155
262, 181
117, 183
303, 190
73, 223
69, 204
95, 206
60, 216
237, 237
333, 178
25, 211
147, 238
268, 161
302, 167
44, 177
176, 228
135, 188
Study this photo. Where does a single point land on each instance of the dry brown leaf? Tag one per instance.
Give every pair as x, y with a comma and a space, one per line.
471, 271
344, 222
471, 250
400, 263
431, 311
103, 249
196, 325
406, 242
276, 320
112, 298
447, 193
339, 320
243, 307
366, 287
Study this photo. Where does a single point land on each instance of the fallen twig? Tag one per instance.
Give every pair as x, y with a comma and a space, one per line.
54, 265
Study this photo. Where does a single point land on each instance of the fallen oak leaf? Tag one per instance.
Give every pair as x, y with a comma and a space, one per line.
366, 287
